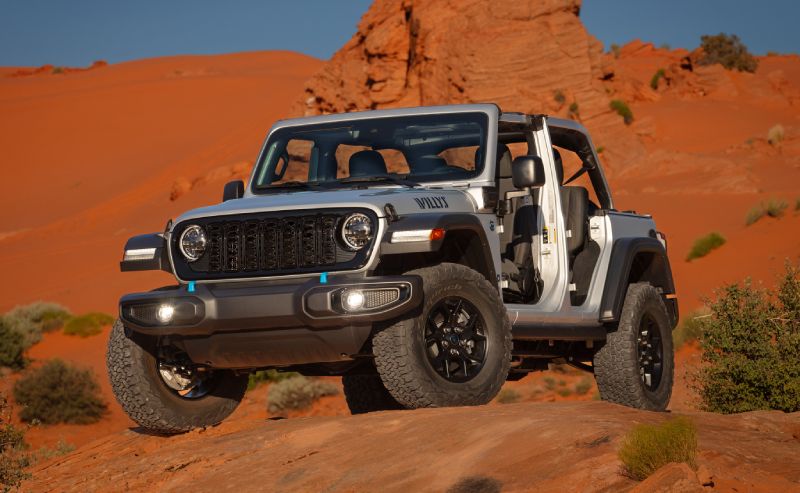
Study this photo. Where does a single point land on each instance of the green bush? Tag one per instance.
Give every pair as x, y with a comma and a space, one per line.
573, 111
59, 393
704, 245
297, 393
583, 386
647, 448
728, 51
559, 97
45, 453
656, 78
508, 396
614, 48
549, 383
754, 214
263, 376
665, 46
564, 392
775, 135
622, 109
750, 344
13, 460
12, 347
88, 324
34, 319
772, 208
690, 329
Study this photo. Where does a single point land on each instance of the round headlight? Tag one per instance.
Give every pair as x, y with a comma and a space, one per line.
356, 231
192, 242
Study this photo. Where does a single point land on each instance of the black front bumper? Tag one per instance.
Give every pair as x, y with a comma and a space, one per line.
240, 325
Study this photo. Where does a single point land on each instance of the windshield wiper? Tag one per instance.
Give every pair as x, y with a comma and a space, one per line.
291, 184
380, 178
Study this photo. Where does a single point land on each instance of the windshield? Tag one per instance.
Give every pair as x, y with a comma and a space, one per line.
404, 151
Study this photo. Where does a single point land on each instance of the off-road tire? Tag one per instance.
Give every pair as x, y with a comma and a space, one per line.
366, 394
616, 364
400, 354
140, 390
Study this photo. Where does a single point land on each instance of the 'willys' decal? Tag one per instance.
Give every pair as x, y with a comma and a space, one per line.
432, 203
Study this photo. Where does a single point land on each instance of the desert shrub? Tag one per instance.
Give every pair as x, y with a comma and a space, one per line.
263, 376
59, 393
564, 392
775, 135
58, 70
775, 207
559, 97
622, 109
614, 49
797, 204
600, 149
665, 46
754, 214
690, 328
750, 359
13, 459
508, 396
573, 110
583, 386
704, 245
728, 51
45, 453
297, 393
88, 324
12, 347
34, 319
646, 448
656, 78
549, 383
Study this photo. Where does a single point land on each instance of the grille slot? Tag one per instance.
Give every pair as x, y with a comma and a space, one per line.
270, 244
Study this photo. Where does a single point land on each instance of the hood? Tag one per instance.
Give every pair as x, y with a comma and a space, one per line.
404, 200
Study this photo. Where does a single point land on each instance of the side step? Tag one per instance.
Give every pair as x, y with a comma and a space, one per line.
558, 333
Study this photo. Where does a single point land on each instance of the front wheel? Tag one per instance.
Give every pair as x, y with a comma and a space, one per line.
165, 394
635, 365
455, 351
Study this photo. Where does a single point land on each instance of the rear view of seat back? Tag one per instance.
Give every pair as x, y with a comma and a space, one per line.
575, 202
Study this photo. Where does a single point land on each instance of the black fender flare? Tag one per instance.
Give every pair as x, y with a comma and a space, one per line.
159, 259
633, 260
445, 220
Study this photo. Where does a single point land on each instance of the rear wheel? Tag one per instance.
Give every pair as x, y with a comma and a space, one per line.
162, 391
635, 366
455, 351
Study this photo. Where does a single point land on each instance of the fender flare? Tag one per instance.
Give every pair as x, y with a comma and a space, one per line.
445, 220
623, 263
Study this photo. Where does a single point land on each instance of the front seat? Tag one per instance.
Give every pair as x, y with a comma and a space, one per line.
575, 204
367, 163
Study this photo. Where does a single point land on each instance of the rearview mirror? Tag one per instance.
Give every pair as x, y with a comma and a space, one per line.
233, 190
527, 172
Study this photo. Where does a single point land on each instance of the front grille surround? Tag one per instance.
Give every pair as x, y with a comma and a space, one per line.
268, 244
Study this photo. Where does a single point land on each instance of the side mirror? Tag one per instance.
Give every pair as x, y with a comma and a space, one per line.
527, 172
233, 190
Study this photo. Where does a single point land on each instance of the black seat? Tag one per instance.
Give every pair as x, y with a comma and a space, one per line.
367, 163
575, 202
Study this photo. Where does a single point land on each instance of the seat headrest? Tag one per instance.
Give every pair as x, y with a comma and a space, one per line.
559, 166
367, 163
503, 160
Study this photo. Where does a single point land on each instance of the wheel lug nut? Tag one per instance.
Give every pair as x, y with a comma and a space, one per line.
445, 343
454, 351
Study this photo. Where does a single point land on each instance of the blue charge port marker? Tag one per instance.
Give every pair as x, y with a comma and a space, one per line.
323, 278
190, 287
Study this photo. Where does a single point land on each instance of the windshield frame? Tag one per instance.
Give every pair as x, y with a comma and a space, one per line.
484, 176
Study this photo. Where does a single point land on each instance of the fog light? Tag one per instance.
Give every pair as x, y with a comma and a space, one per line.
353, 300
165, 313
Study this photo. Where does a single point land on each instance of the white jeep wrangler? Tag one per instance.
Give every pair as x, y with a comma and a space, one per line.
426, 255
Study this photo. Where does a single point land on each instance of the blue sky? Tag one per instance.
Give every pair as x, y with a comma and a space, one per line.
77, 32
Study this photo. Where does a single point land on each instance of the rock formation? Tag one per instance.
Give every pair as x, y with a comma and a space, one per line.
531, 56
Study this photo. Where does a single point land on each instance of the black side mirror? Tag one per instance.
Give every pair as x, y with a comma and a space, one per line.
233, 190
527, 172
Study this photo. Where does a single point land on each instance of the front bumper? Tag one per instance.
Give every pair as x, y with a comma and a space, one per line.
234, 307
262, 325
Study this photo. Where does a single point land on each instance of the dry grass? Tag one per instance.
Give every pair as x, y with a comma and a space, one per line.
646, 448
704, 245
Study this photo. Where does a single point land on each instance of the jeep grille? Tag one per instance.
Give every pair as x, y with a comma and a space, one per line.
269, 244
